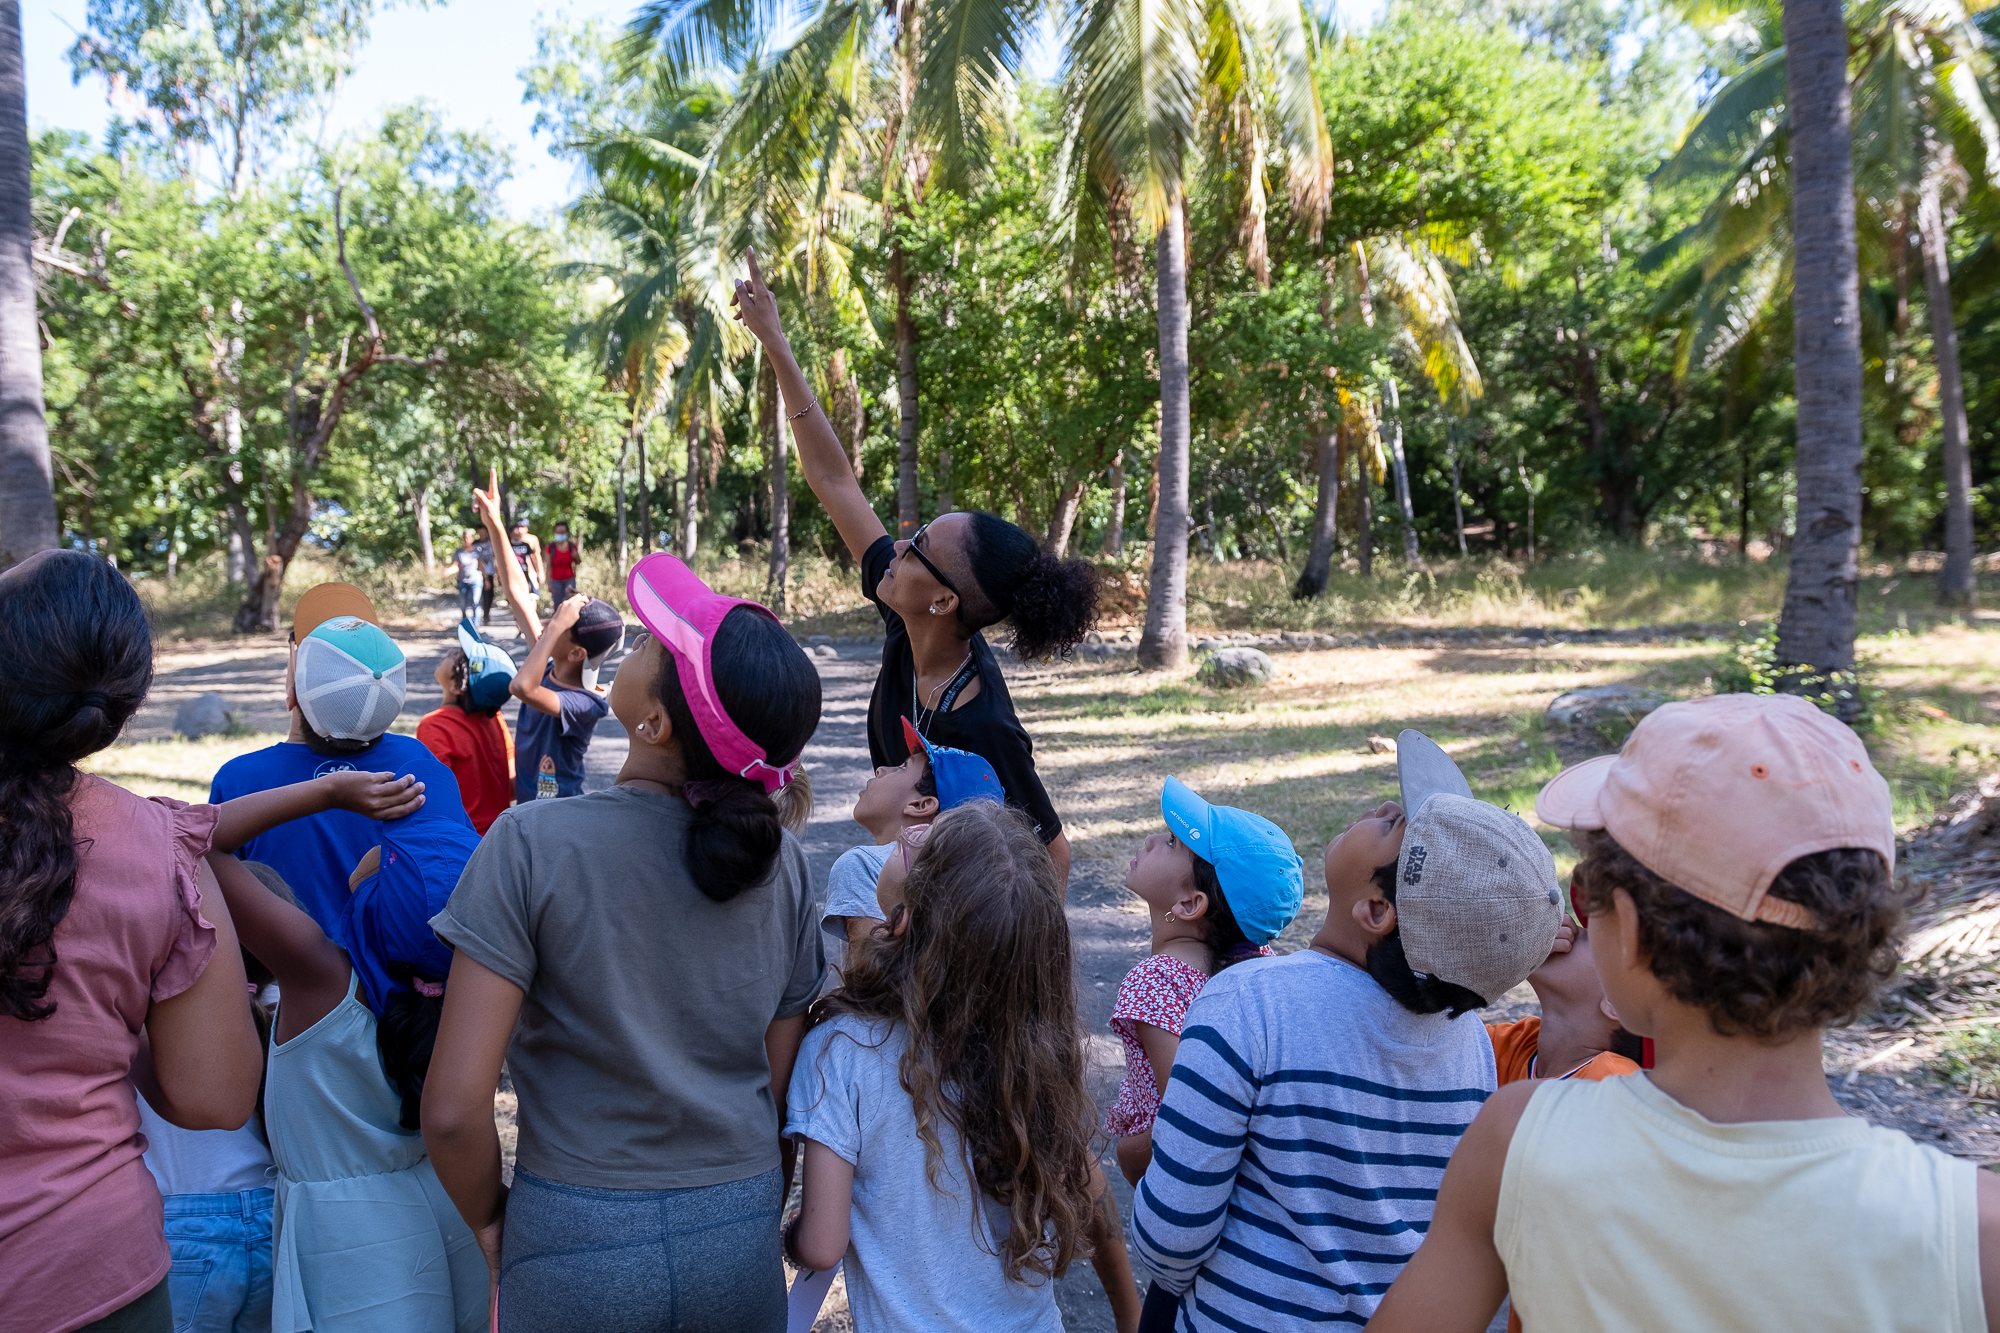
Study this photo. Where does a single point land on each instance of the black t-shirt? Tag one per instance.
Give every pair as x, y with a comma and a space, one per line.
985, 726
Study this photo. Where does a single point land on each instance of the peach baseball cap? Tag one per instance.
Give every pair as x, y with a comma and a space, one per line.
323, 601
1718, 795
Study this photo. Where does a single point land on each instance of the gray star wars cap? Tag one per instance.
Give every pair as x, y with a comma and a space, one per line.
1477, 901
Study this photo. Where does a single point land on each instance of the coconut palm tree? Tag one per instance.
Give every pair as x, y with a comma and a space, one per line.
920, 86
1153, 91
1924, 132
27, 494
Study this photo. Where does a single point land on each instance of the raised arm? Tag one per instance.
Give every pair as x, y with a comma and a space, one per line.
312, 970
821, 458
505, 567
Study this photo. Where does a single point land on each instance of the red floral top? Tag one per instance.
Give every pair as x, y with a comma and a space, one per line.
1157, 991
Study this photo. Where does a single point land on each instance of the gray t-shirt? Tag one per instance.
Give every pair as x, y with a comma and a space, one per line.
850, 891
919, 1259
639, 1053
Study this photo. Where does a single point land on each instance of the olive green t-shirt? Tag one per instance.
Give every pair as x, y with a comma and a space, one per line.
639, 1053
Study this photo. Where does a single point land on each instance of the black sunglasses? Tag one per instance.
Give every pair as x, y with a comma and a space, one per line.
925, 560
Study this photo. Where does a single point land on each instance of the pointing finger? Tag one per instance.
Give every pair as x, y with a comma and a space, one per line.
756, 274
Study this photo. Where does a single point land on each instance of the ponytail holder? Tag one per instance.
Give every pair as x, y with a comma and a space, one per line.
92, 699
698, 794
430, 990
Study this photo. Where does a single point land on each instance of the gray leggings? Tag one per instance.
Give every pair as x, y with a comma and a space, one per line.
642, 1261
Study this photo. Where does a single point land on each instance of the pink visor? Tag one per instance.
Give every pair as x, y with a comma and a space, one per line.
683, 613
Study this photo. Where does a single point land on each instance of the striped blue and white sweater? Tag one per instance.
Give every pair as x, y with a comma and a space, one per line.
1298, 1151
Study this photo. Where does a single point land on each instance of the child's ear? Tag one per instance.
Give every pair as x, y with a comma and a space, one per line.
1376, 915
921, 809
1192, 905
899, 921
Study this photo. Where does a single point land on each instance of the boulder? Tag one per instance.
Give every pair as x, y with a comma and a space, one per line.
816, 639
1234, 668
1381, 745
1599, 718
204, 715
825, 650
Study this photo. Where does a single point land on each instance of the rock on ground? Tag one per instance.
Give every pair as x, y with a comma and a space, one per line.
1234, 668
207, 714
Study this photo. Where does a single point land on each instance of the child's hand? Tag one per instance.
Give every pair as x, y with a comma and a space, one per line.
566, 614
756, 308
487, 502
1565, 940
382, 796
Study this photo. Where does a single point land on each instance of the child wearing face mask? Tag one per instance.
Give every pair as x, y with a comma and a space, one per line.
1316, 1098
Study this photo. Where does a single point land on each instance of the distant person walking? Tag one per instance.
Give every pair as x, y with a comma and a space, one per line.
490, 573
528, 555
471, 574
562, 552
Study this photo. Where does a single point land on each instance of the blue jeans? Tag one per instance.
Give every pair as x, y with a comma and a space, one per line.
468, 598
220, 1281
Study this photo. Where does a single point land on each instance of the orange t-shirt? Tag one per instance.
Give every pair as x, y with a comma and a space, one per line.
1514, 1046
479, 751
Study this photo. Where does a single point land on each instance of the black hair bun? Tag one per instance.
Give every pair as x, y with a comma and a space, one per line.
1055, 605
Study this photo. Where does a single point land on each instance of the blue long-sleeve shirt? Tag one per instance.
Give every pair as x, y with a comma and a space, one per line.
1299, 1148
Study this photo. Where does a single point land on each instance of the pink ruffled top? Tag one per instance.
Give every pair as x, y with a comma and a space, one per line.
81, 1224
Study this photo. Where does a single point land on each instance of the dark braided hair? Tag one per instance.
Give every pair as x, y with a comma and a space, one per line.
771, 691
1052, 603
76, 660
1415, 991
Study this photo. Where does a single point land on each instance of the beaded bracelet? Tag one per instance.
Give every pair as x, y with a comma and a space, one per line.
807, 408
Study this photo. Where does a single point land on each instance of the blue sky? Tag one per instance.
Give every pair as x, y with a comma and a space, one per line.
463, 55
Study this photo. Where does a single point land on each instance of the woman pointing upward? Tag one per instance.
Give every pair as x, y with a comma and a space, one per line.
954, 577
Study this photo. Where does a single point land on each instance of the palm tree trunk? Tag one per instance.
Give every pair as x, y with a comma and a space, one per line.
645, 490
1326, 521
1816, 630
27, 486
1114, 527
907, 517
1163, 643
1956, 585
1457, 496
781, 499
624, 546
689, 506
1364, 497
1411, 557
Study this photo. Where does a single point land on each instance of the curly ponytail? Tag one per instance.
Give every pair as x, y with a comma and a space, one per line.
1052, 603
76, 660
771, 692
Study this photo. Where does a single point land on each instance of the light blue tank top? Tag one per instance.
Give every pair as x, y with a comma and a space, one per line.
367, 1240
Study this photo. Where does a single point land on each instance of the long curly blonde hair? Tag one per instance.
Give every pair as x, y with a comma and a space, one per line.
982, 980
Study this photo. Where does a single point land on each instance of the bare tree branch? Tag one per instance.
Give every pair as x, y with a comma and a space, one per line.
353, 283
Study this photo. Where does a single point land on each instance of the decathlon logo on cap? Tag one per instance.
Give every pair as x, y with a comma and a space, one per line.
350, 679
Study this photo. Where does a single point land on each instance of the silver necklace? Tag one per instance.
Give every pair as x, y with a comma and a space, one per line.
923, 715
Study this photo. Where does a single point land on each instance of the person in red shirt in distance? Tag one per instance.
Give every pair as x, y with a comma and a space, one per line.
468, 735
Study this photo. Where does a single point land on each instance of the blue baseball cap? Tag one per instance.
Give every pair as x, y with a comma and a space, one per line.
388, 916
489, 671
1261, 876
958, 775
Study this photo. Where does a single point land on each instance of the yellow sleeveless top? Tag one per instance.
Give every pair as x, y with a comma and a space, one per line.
1621, 1209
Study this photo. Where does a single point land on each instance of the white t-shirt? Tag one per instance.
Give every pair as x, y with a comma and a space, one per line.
850, 891
919, 1259
206, 1161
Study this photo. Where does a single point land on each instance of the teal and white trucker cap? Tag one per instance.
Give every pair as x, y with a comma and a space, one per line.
351, 679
